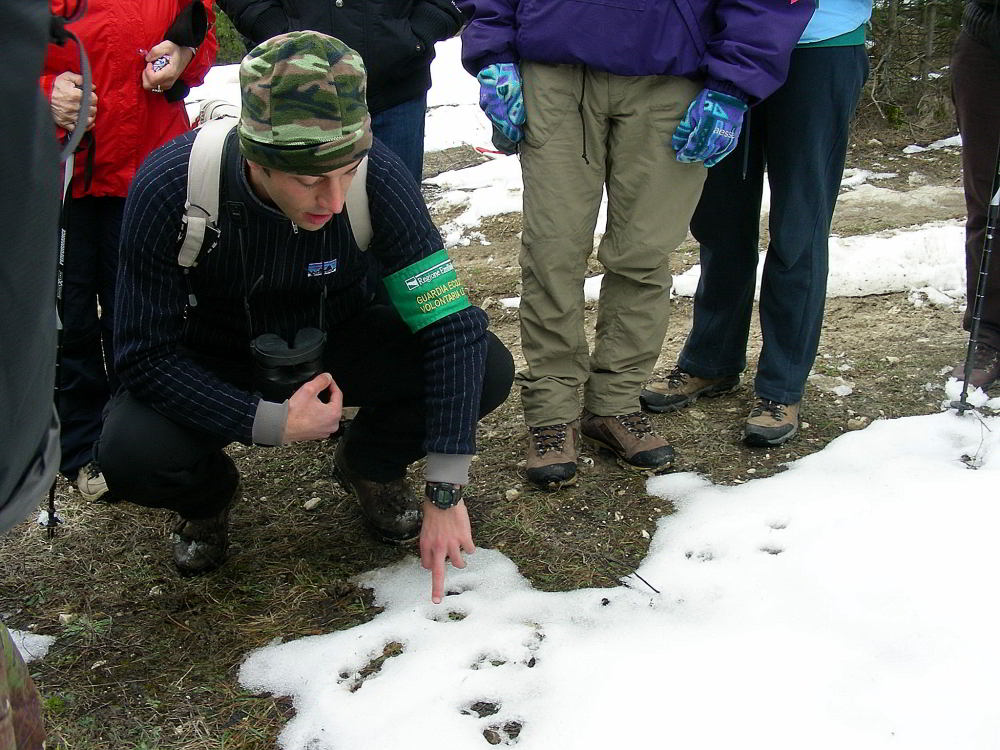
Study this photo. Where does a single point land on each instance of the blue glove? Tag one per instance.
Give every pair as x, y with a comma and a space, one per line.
501, 100
710, 129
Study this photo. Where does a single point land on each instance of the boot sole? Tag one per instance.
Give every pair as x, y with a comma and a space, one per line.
649, 470
554, 485
710, 392
762, 441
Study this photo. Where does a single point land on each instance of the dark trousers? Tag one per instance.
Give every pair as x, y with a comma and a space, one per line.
975, 80
86, 374
401, 128
799, 134
151, 460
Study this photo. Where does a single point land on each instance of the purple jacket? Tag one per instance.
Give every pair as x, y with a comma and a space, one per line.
739, 47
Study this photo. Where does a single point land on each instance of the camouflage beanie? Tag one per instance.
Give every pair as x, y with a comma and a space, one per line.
304, 107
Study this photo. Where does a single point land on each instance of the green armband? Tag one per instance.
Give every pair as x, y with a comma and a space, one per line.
426, 291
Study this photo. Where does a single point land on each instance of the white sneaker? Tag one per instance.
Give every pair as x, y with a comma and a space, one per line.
90, 481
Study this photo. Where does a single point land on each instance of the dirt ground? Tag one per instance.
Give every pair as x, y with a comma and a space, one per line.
145, 659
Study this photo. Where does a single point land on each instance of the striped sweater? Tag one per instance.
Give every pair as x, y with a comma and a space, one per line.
263, 258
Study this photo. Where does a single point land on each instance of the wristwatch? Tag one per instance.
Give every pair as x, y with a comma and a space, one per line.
443, 495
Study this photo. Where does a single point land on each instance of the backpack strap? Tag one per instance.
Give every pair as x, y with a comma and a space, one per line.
200, 230
357, 207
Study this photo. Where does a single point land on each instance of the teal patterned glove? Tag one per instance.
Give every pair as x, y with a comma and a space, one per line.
710, 129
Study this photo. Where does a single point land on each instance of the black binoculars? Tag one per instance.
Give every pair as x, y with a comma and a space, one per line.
281, 367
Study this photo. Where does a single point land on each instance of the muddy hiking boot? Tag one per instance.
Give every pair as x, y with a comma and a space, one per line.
551, 461
682, 389
631, 438
200, 545
985, 367
390, 509
771, 423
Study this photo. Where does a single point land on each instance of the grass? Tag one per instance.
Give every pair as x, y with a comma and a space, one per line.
146, 660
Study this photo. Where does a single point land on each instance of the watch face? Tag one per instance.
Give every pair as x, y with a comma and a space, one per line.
443, 495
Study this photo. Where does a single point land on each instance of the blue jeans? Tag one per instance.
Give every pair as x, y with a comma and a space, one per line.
401, 128
800, 134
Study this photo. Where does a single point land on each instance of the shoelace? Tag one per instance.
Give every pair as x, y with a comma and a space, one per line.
637, 423
93, 470
550, 438
678, 377
766, 406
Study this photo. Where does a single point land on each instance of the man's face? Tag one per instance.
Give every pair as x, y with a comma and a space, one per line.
310, 202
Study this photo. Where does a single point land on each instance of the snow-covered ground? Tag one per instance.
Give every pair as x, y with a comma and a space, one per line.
849, 602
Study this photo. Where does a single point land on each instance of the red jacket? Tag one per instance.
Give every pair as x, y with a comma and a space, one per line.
131, 121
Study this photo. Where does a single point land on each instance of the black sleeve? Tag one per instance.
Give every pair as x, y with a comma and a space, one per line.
434, 20
257, 20
189, 27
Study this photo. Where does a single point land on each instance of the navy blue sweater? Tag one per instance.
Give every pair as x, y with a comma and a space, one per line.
261, 250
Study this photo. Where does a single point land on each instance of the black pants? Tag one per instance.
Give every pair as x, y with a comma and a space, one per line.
975, 73
800, 135
151, 460
86, 376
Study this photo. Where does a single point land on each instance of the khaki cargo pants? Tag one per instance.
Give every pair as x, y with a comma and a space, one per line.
619, 140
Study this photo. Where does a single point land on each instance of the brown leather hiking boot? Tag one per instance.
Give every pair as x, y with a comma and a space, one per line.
390, 509
551, 461
200, 545
631, 438
771, 423
681, 389
985, 367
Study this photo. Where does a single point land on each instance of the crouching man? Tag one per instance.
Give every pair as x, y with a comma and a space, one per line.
277, 327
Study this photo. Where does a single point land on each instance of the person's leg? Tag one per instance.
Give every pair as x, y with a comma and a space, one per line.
726, 224
111, 224
975, 71
83, 385
562, 196
148, 459
651, 197
387, 382
401, 128
808, 122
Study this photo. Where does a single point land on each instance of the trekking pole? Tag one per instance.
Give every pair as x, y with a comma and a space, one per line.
993, 210
53, 520
60, 34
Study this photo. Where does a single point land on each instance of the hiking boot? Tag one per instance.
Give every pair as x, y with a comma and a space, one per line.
631, 438
91, 483
682, 389
985, 367
390, 509
201, 545
771, 423
551, 461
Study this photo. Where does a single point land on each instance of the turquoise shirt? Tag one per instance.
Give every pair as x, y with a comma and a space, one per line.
834, 18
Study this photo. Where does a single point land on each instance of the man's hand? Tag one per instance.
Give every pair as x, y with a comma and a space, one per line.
710, 129
308, 417
501, 99
159, 81
67, 95
445, 534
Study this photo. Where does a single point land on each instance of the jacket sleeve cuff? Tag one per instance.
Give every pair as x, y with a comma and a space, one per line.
447, 467
431, 24
725, 87
269, 423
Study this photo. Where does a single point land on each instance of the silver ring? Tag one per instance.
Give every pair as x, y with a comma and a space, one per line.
156, 90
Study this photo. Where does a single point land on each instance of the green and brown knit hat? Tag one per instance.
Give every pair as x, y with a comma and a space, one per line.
304, 107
